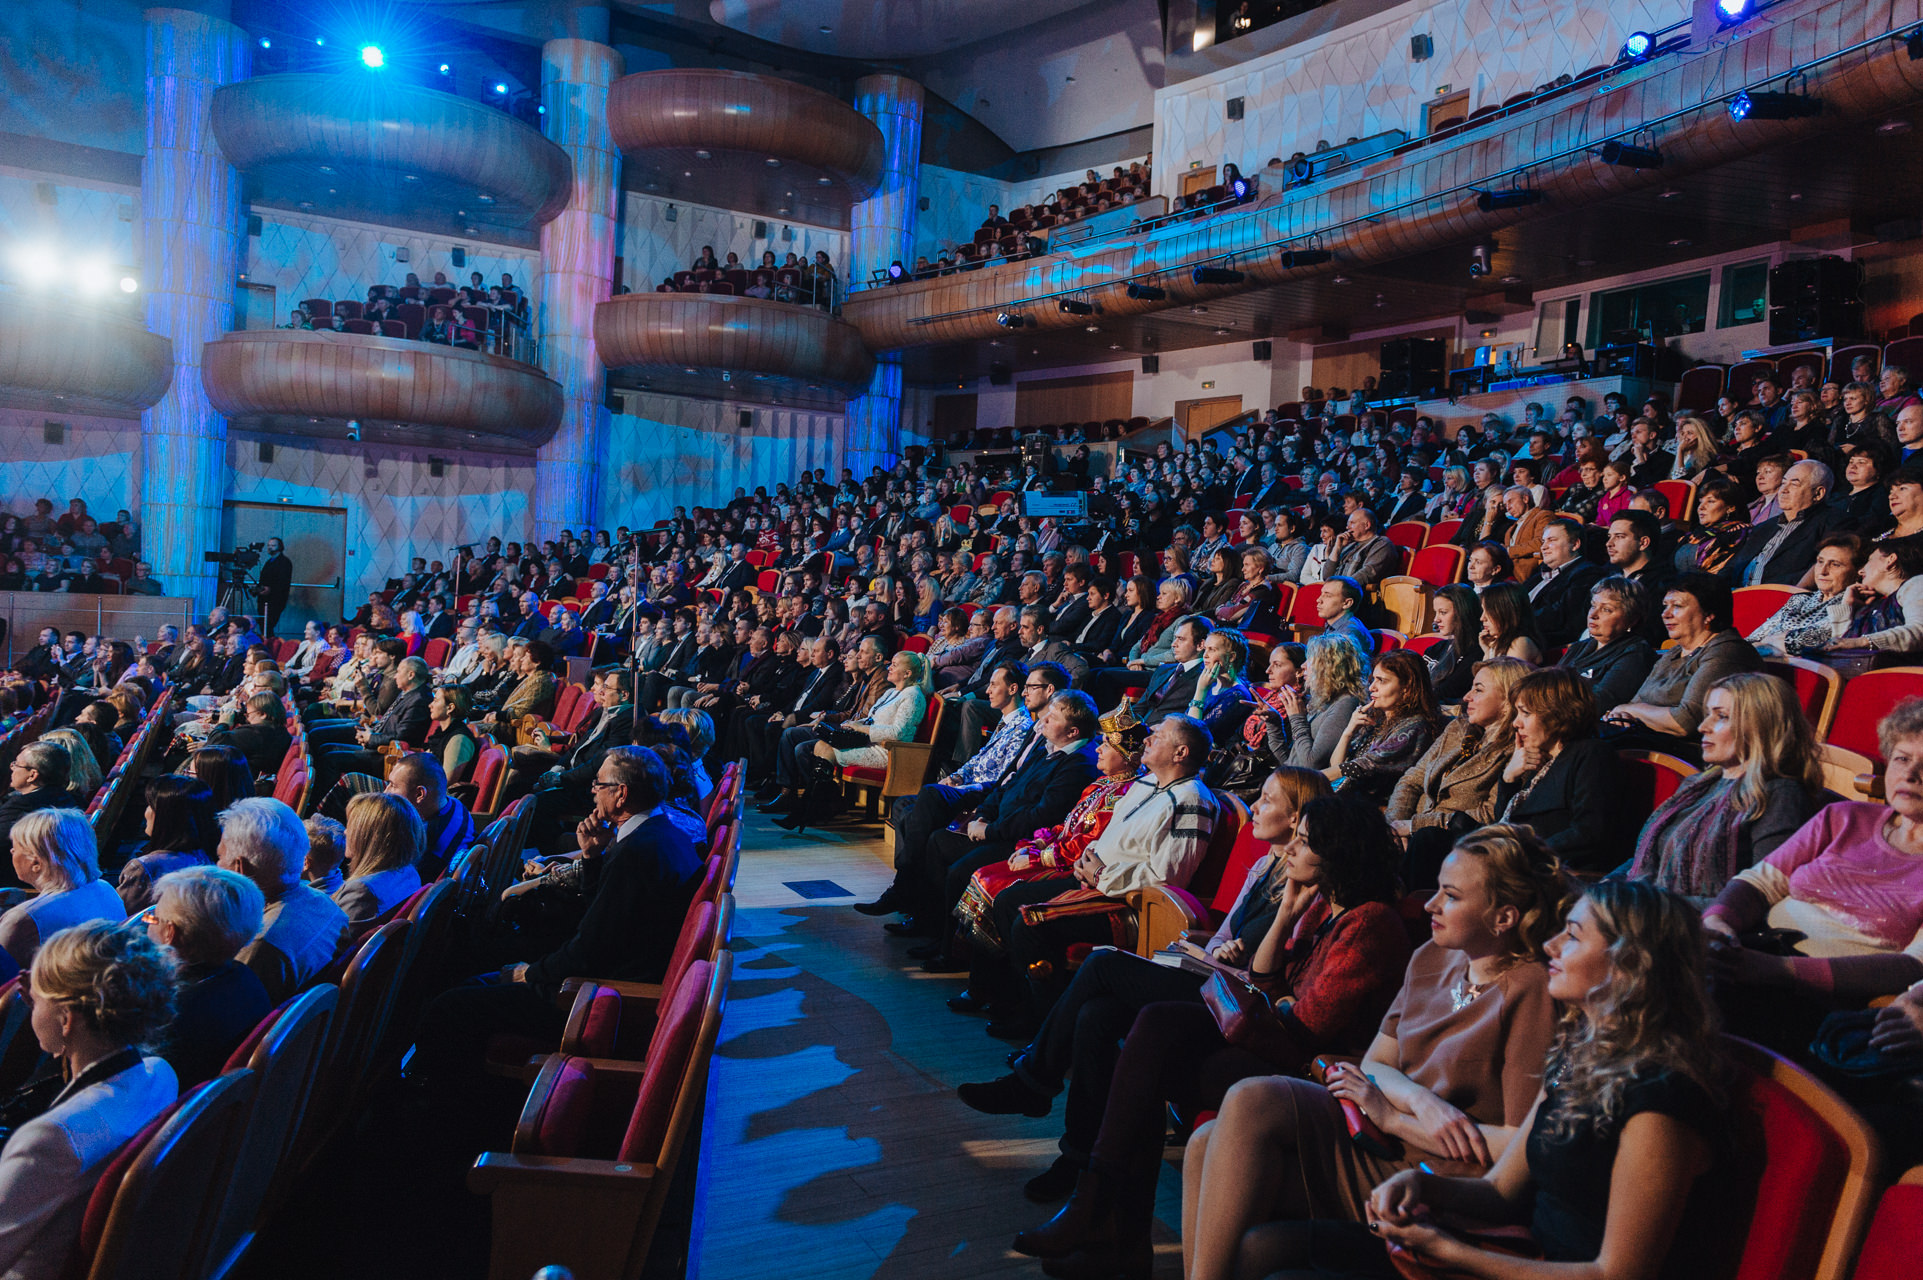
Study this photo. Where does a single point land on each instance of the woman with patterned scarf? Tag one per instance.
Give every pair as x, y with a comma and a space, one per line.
1054, 851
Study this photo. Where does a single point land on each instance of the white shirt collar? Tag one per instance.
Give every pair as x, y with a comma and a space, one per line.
628, 828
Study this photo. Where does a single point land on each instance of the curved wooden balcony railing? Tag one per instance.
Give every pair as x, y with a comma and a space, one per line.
681, 332
1426, 198
62, 357
357, 146
748, 142
400, 391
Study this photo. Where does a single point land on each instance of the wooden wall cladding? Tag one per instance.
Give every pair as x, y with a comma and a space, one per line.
373, 133
93, 362
676, 331
1424, 199
742, 121
285, 373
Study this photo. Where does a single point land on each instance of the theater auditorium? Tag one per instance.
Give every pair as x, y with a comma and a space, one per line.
918, 640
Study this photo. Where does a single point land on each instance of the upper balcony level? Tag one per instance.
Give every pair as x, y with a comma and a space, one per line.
361, 148
718, 346
56, 355
1632, 168
396, 390
753, 143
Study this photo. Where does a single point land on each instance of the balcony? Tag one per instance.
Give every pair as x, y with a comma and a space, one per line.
722, 347
357, 147
738, 141
68, 358
400, 392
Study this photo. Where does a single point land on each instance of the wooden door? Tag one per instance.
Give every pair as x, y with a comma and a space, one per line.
316, 543
1197, 416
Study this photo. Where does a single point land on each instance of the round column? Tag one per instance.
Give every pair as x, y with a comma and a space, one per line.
882, 229
577, 272
191, 241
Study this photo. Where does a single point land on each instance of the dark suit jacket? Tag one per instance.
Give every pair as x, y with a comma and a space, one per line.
276, 579
262, 744
1574, 806
405, 721
597, 735
213, 1013
996, 654
1169, 691
1614, 674
738, 574
1069, 619
634, 917
774, 679
1093, 638
823, 693
1039, 795
439, 626
1562, 607
1792, 560
1408, 506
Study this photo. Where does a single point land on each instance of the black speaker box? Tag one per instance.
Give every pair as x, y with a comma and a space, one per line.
1264, 350
1815, 298
1151, 364
1000, 375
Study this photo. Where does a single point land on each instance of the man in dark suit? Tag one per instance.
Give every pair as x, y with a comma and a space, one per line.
262, 737
1039, 793
1172, 687
565, 791
1408, 502
437, 622
820, 685
677, 655
645, 872
598, 613
405, 720
42, 662
1782, 549
1101, 621
1072, 609
739, 572
1559, 587
276, 579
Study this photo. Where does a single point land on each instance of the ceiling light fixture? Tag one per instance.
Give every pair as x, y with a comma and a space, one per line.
1629, 156
1075, 307
1774, 106
1293, 258
1146, 292
1217, 275
1011, 319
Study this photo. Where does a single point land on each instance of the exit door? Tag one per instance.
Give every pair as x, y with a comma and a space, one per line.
316, 542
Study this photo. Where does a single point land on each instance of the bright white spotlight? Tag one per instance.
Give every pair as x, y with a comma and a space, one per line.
372, 57
265, 43
500, 88
446, 70
129, 285
93, 276
1730, 12
36, 264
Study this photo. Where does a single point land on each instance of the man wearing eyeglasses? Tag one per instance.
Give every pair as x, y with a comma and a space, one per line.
648, 874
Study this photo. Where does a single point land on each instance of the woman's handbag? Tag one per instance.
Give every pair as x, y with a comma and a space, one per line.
1241, 1010
842, 739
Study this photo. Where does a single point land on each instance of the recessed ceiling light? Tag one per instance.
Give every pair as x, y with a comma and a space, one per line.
307, 204
824, 182
704, 155
485, 199
1197, 309
772, 163
781, 211
1889, 127
1339, 279
1220, 333
1512, 279
826, 31
1679, 242
687, 173
1795, 195
1092, 328
410, 177
327, 168
460, 213
333, 191
1671, 194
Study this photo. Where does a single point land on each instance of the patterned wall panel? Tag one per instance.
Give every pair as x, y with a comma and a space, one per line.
654, 248
309, 257
1359, 80
79, 222
677, 452
98, 460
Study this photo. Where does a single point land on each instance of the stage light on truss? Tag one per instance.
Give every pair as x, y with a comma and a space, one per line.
1216, 275
1637, 47
1629, 156
1306, 258
1513, 198
1075, 307
1773, 106
372, 57
1011, 319
1147, 292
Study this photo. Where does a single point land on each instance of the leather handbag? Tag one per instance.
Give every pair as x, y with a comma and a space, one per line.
1241, 1011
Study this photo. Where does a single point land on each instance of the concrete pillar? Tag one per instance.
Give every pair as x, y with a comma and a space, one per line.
882, 229
191, 241
577, 272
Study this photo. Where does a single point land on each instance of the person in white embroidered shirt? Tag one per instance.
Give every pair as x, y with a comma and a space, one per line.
99, 993
1159, 833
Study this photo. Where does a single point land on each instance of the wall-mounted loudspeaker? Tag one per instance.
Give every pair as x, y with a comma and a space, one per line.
761, 229
1151, 364
460, 256
1815, 298
1264, 350
1000, 375
744, 419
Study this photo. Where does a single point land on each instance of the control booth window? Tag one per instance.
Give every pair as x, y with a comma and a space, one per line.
1745, 298
1650, 312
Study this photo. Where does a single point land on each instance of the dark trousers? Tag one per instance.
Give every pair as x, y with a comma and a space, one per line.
761, 735
1033, 966
1639, 738
330, 762
974, 720
456, 1025
945, 851
1083, 1034
916, 819
792, 753
1108, 685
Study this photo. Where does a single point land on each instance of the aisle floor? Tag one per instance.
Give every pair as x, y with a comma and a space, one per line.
835, 1146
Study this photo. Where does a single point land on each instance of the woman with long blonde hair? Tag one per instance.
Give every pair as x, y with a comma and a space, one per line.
1761, 782
1452, 788
1630, 1117
1336, 679
385, 837
83, 770
1697, 448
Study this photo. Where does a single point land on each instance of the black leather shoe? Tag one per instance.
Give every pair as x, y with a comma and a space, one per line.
887, 904
943, 963
1053, 1183
1008, 1096
796, 821
906, 927
968, 1002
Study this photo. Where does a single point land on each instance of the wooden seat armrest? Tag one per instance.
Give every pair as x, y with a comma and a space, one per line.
628, 990
1882, 1002
557, 1210
907, 766
1869, 785
503, 1170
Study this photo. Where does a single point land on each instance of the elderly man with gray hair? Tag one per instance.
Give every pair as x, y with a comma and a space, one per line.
1781, 551
301, 928
205, 915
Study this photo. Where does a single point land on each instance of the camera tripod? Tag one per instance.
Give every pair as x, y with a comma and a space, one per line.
236, 588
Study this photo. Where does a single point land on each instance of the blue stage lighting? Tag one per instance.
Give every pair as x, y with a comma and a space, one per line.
500, 88
1240, 188
1739, 106
1637, 47
1730, 12
372, 58
265, 43
320, 40
446, 70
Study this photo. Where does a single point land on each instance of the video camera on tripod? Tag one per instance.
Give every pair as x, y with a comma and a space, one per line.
241, 558
235, 585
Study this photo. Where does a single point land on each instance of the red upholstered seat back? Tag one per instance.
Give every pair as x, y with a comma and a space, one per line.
696, 941
601, 1029
1246, 852
245, 1049
1894, 1247
561, 1128
1800, 1163
668, 1055
101, 1203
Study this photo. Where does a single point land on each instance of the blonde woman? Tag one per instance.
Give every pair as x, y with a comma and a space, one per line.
1761, 781
1448, 1081
1632, 1106
53, 850
83, 770
1452, 788
896, 716
101, 995
384, 840
1336, 680
1697, 448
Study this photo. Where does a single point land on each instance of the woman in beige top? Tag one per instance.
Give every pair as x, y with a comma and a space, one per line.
1452, 788
1450, 1077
